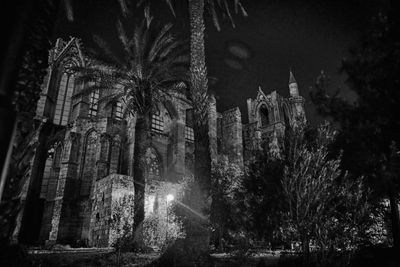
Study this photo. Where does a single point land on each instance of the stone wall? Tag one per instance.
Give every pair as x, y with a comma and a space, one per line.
232, 139
112, 209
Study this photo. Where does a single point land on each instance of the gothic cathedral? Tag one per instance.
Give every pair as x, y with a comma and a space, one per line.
83, 160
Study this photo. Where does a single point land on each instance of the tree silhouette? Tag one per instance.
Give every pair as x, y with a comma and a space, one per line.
370, 127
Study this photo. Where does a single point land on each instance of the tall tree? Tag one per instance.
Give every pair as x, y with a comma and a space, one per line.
28, 35
205, 142
370, 127
225, 182
262, 196
323, 203
198, 68
151, 66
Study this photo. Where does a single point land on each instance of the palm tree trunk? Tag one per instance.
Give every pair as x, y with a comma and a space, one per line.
199, 88
197, 235
198, 69
142, 141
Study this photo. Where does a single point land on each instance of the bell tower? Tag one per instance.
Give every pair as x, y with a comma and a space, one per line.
296, 100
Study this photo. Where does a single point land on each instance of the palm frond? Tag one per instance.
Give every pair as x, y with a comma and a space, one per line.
228, 12
171, 7
123, 36
147, 15
159, 41
124, 8
223, 7
242, 9
214, 16
154, 64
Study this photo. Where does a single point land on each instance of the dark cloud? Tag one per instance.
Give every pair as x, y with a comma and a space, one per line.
233, 63
239, 50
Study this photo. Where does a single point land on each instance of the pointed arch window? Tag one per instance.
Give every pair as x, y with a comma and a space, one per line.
105, 155
118, 111
51, 171
46, 175
63, 104
286, 117
157, 122
264, 116
189, 133
57, 157
93, 103
88, 162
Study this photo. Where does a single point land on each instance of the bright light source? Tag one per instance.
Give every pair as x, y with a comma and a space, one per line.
170, 197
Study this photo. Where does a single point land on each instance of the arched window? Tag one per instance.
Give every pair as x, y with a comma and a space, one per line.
264, 116
63, 104
105, 149
93, 103
51, 171
88, 162
157, 122
286, 117
105, 155
117, 111
74, 151
189, 134
48, 171
46, 177
152, 165
122, 163
57, 157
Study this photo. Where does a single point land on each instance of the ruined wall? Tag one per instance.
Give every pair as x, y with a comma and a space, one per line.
112, 209
268, 116
251, 140
232, 139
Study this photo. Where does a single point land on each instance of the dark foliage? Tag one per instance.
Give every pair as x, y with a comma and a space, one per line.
224, 212
370, 127
262, 192
27, 89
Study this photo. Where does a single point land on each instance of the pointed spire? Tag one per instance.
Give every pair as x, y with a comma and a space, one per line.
293, 89
291, 77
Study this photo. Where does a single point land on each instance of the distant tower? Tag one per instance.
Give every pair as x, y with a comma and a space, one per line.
297, 101
293, 88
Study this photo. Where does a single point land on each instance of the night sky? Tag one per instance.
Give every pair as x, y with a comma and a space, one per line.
307, 36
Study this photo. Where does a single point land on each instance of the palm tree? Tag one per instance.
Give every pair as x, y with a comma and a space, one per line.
198, 68
152, 64
204, 144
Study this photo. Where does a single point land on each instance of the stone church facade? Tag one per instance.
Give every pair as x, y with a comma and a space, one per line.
83, 160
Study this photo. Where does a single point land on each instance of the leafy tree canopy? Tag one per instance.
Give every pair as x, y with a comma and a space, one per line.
370, 127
